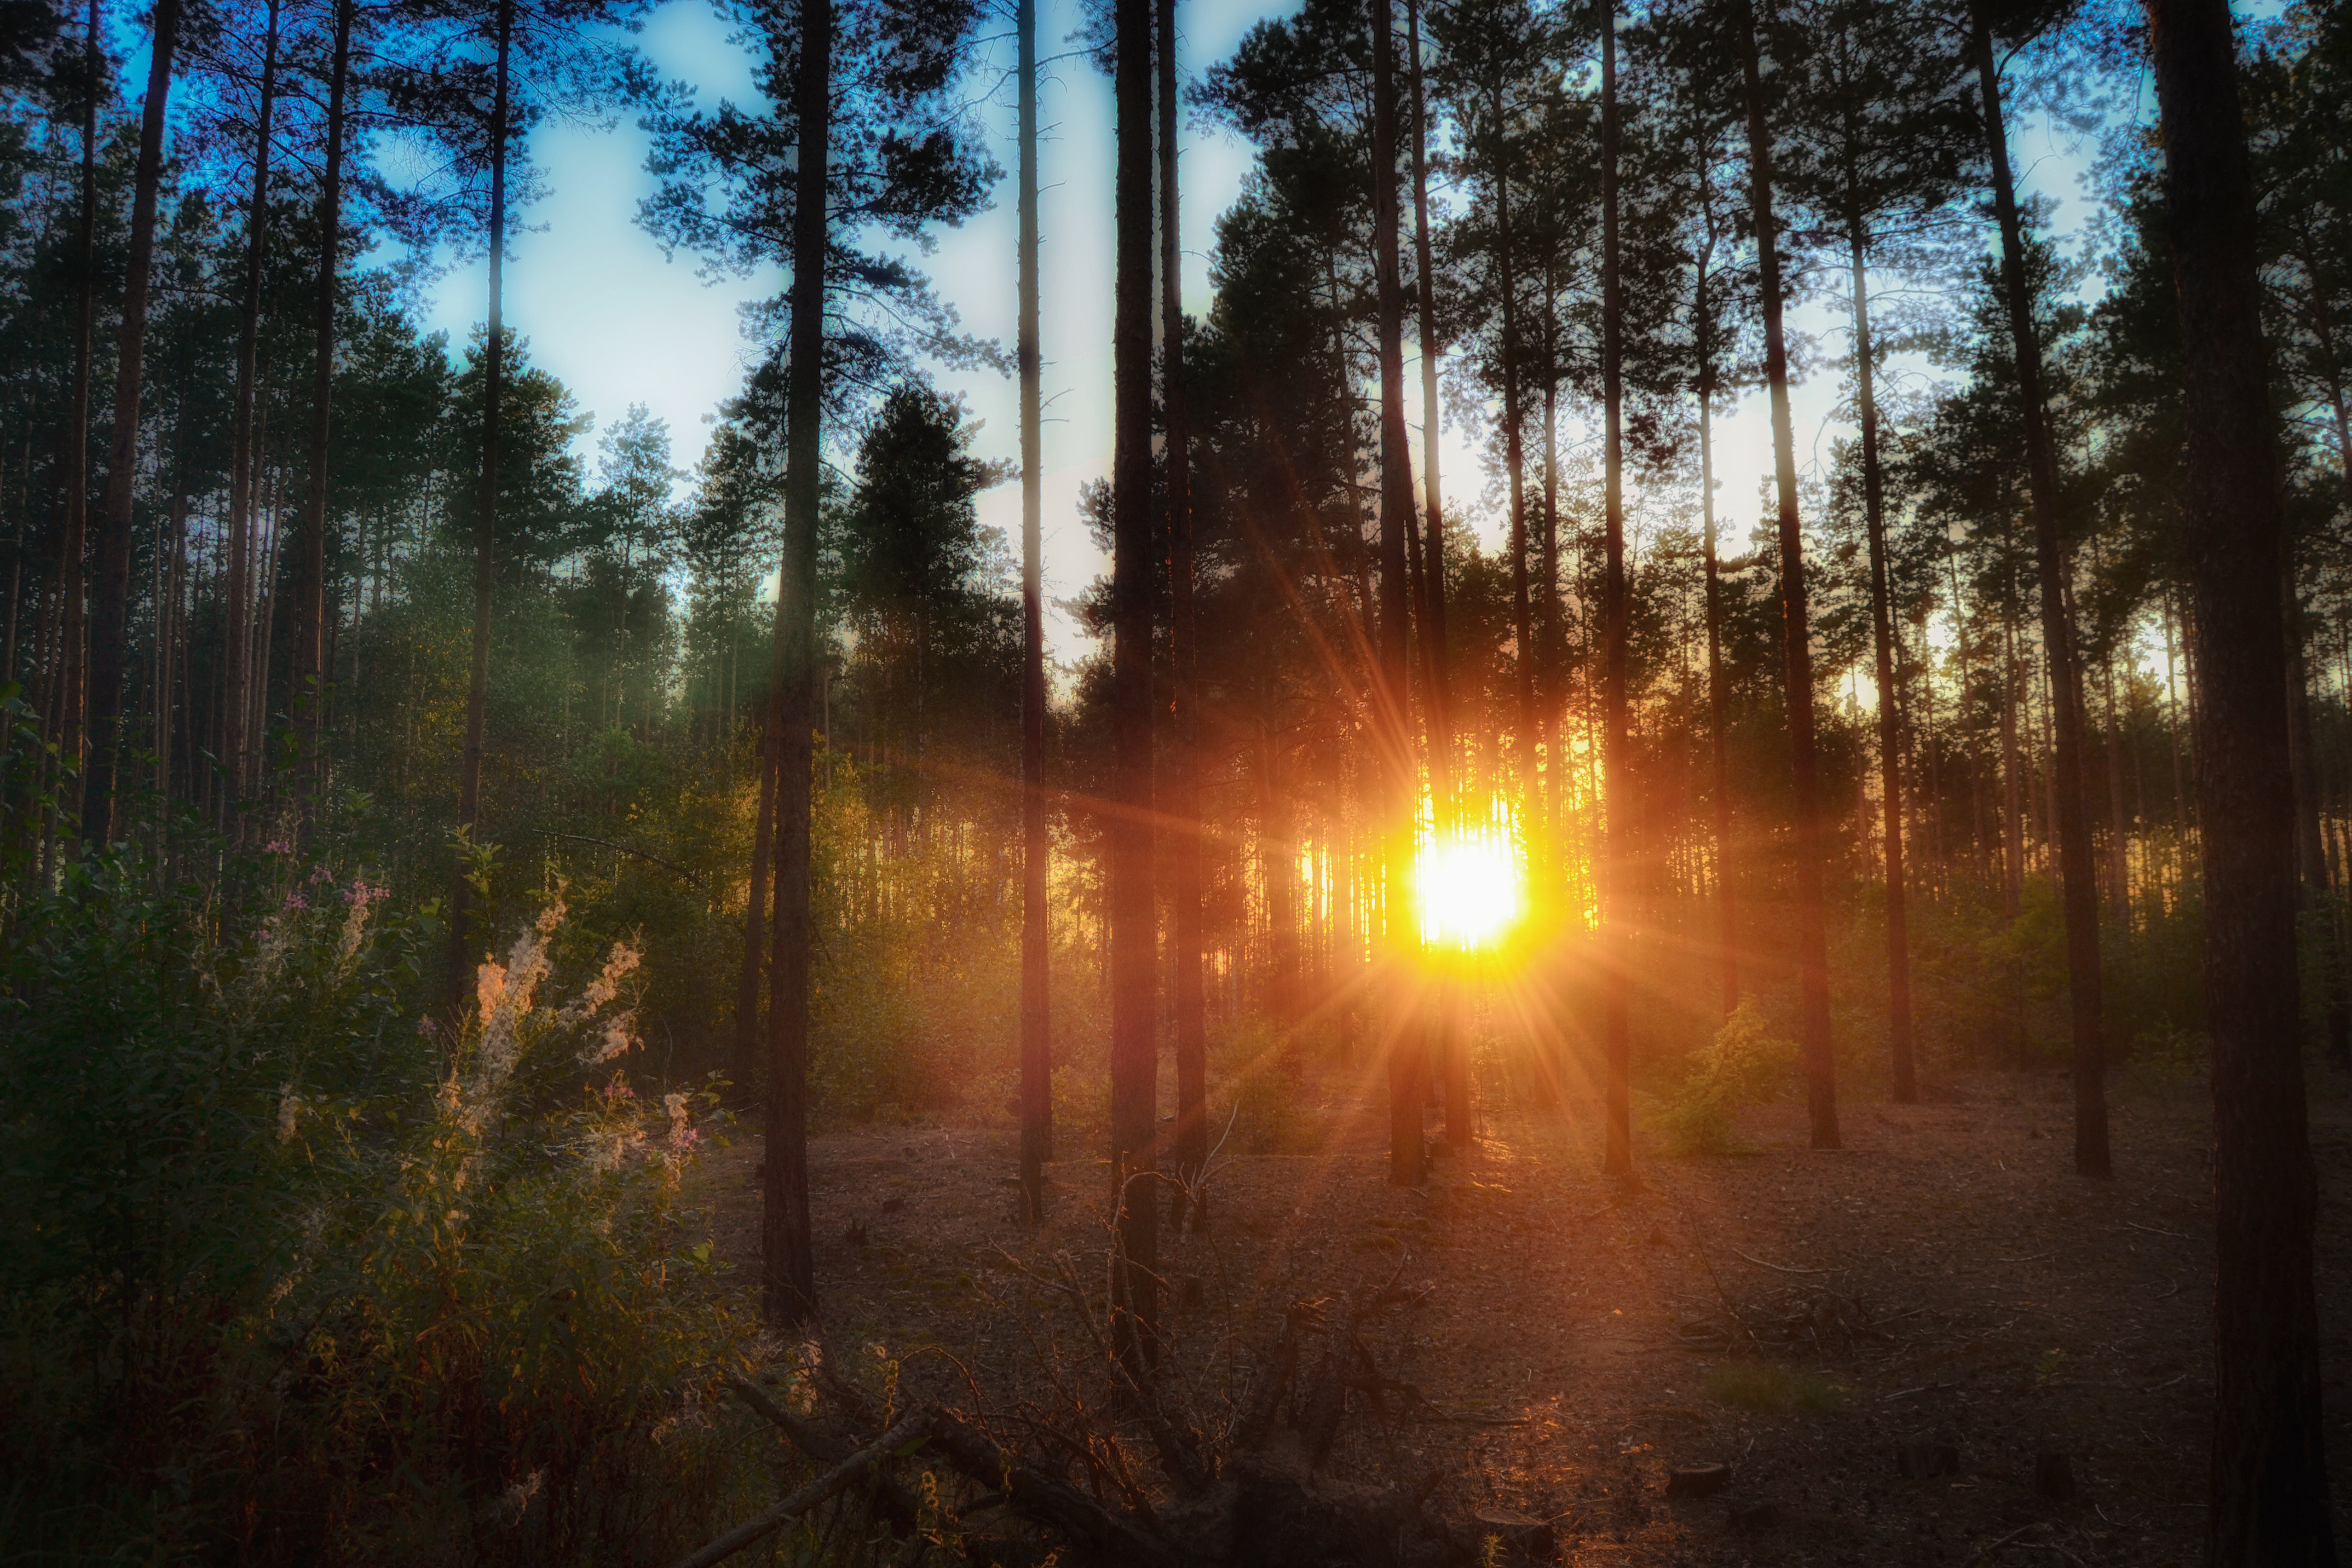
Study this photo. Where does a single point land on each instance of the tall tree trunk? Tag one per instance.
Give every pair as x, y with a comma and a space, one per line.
1551, 702
1183, 807
2119, 835
748, 1033
1905, 1085
110, 625
2269, 1501
2077, 868
1440, 697
230, 743
1278, 868
74, 548
1036, 1012
309, 672
1727, 902
1549, 1082
1617, 880
1134, 1063
171, 576
16, 568
787, 1242
1452, 1061
1811, 933
2012, 759
486, 518
1393, 706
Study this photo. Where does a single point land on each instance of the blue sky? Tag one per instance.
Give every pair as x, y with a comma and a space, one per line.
604, 312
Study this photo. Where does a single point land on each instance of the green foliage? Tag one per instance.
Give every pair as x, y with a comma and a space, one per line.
280, 1249
1744, 1064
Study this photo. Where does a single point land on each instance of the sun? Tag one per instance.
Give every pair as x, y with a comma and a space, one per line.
1469, 890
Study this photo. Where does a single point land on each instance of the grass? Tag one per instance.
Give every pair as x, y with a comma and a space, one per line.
1767, 1386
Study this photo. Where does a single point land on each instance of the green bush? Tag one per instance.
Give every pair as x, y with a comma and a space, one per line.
294, 1274
1744, 1063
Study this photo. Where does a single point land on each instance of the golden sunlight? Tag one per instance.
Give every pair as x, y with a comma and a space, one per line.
1469, 888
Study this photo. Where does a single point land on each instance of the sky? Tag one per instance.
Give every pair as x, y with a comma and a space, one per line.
618, 323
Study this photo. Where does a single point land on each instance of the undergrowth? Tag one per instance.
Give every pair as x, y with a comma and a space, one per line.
1744, 1064
296, 1272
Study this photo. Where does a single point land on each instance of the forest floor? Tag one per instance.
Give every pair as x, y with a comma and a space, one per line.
1944, 1296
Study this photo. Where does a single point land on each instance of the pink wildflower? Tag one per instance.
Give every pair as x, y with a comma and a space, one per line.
278, 847
297, 902
321, 874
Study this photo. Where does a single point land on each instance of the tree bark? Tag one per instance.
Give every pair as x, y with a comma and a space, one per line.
170, 566
309, 672
2119, 832
1037, 1014
1134, 1064
787, 1247
2078, 869
1514, 462
1434, 645
486, 531
1394, 735
1727, 902
1904, 1088
2013, 760
109, 626
748, 1033
230, 744
1452, 1063
1811, 933
1191, 1138
74, 548
2269, 1500
1617, 880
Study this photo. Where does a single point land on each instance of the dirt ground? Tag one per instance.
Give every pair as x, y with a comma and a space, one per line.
1820, 1322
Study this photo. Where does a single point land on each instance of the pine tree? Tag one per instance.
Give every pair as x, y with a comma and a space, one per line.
1795, 628
1036, 917
2077, 873
2269, 1498
109, 624
1134, 1061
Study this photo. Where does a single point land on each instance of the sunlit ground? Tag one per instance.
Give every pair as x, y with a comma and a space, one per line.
1469, 888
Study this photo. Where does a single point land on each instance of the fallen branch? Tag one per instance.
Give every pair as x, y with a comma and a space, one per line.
1031, 1492
833, 1482
826, 1446
809, 1437
1042, 1498
1782, 1267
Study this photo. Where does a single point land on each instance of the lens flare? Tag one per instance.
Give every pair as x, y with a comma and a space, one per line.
1469, 890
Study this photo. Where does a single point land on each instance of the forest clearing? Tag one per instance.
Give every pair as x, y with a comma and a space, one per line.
1376, 783
1941, 1283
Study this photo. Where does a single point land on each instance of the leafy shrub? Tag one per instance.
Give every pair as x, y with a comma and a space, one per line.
293, 1274
1744, 1063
